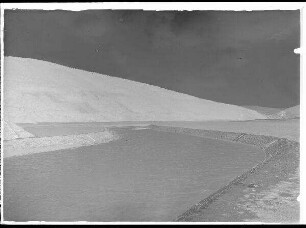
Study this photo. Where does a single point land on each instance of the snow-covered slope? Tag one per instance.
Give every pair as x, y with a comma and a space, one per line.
39, 91
289, 113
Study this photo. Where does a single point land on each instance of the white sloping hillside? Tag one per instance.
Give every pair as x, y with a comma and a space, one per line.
289, 113
39, 91
264, 110
12, 131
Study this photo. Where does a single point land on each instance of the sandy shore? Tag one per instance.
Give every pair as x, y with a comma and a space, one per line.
24, 146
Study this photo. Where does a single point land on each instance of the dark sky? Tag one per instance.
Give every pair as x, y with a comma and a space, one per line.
242, 58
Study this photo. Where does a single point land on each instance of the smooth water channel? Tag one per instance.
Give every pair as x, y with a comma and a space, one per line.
146, 175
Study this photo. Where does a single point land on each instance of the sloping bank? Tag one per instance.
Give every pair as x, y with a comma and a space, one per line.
265, 193
31, 145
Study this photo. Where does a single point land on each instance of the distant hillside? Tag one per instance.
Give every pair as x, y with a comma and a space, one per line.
39, 91
289, 113
264, 110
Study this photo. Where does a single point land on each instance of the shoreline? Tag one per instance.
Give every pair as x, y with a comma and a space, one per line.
214, 208
26, 146
275, 149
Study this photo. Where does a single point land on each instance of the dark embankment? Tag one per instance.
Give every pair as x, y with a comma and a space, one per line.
232, 201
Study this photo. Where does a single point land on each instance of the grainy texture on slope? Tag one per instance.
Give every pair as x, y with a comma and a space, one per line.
12, 131
39, 91
289, 113
264, 110
293, 112
44, 144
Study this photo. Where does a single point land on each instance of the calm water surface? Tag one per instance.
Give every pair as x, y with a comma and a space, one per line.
144, 176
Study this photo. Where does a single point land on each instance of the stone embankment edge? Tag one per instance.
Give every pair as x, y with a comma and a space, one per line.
271, 146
